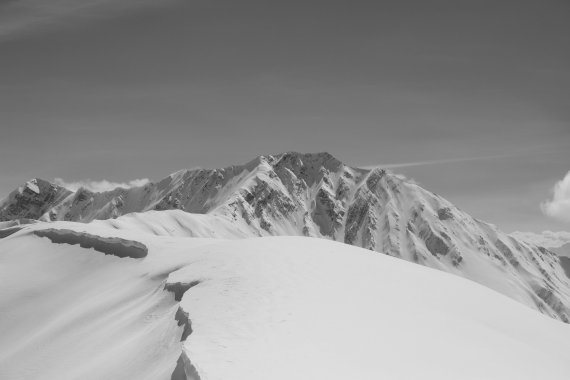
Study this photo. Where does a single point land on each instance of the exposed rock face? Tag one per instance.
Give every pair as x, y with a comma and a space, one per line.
317, 195
444, 213
33, 200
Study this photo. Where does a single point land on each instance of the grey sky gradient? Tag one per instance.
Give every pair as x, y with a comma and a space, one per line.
127, 89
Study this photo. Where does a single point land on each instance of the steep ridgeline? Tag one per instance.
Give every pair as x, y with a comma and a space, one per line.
317, 195
31, 201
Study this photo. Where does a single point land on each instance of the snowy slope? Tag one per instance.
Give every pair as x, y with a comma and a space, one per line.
316, 195
254, 308
532, 275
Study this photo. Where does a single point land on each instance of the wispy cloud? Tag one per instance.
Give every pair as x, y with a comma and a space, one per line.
532, 150
436, 162
99, 186
26, 15
559, 206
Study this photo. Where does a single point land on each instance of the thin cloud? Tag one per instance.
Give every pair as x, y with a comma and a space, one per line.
23, 15
559, 206
26, 15
100, 186
436, 162
537, 149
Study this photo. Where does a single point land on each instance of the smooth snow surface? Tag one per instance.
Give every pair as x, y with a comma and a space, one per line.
256, 308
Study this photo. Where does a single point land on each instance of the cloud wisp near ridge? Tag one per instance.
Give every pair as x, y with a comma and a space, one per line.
100, 186
559, 206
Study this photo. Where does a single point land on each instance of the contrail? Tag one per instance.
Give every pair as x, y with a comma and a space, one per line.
435, 162
541, 149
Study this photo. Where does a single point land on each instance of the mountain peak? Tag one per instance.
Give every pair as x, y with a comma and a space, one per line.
310, 161
296, 161
32, 200
320, 157
316, 195
40, 186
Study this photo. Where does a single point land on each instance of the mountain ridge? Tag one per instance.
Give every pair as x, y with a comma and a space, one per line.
317, 195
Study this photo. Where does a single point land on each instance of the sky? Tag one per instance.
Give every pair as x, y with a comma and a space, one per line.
469, 98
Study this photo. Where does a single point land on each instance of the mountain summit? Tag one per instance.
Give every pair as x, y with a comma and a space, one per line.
317, 195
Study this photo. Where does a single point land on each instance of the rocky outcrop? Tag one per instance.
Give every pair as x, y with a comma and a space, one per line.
32, 200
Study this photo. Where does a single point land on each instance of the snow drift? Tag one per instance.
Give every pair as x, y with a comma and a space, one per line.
256, 308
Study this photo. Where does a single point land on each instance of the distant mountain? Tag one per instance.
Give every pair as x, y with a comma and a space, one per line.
563, 250
563, 253
32, 200
317, 195
546, 239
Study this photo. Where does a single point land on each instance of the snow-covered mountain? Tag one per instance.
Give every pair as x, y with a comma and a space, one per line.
316, 195
563, 250
141, 306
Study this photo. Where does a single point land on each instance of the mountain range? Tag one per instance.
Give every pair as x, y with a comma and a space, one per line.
314, 195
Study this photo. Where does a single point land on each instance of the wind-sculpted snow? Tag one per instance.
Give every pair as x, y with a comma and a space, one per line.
101, 317
316, 195
184, 369
10, 227
108, 245
5, 232
257, 309
179, 288
68, 314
